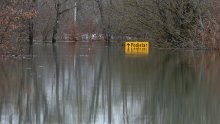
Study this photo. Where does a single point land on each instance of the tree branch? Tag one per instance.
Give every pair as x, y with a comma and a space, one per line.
64, 2
66, 10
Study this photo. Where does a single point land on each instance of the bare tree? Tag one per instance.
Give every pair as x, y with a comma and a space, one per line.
172, 22
31, 24
59, 13
105, 18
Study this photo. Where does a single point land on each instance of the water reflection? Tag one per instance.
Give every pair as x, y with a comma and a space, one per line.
68, 84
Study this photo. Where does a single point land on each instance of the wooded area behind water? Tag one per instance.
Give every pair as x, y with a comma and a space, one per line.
167, 24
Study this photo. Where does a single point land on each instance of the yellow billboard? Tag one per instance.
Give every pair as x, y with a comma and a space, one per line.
136, 48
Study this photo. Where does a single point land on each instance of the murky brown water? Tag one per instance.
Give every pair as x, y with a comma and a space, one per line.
66, 84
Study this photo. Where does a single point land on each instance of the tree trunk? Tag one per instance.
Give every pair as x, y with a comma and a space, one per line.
31, 32
75, 12
100, 7
31, 26
56, 25
106, 26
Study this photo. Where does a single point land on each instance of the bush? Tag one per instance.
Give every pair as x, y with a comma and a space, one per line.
74, 34
173, 23
13, 26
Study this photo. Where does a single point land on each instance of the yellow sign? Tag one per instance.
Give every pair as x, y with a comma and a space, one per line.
137, 48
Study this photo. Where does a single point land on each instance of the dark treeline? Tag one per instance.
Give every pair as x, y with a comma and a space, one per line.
170, 23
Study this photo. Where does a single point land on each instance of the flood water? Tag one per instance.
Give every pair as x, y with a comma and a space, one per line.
67, 84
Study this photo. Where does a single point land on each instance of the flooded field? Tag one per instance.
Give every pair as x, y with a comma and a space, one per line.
67, 84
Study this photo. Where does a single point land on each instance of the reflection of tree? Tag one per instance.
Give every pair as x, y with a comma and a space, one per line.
70, 88
57, 83
169, 84
173, 81
1, 107
2, 92
79, 82
103, 80
95, 91
125, 101
20, 95
109, 85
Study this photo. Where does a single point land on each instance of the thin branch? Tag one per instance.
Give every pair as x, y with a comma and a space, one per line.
66, 10
64, 2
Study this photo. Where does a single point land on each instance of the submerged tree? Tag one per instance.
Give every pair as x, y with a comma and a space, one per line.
175, 23
59, 13
14, 18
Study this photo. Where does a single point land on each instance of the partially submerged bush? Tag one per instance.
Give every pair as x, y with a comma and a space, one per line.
74, 34
208, 36
9, 48
178, 21
170, 22
14, 19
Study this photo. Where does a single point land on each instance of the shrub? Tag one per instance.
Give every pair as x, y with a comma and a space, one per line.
172, 23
